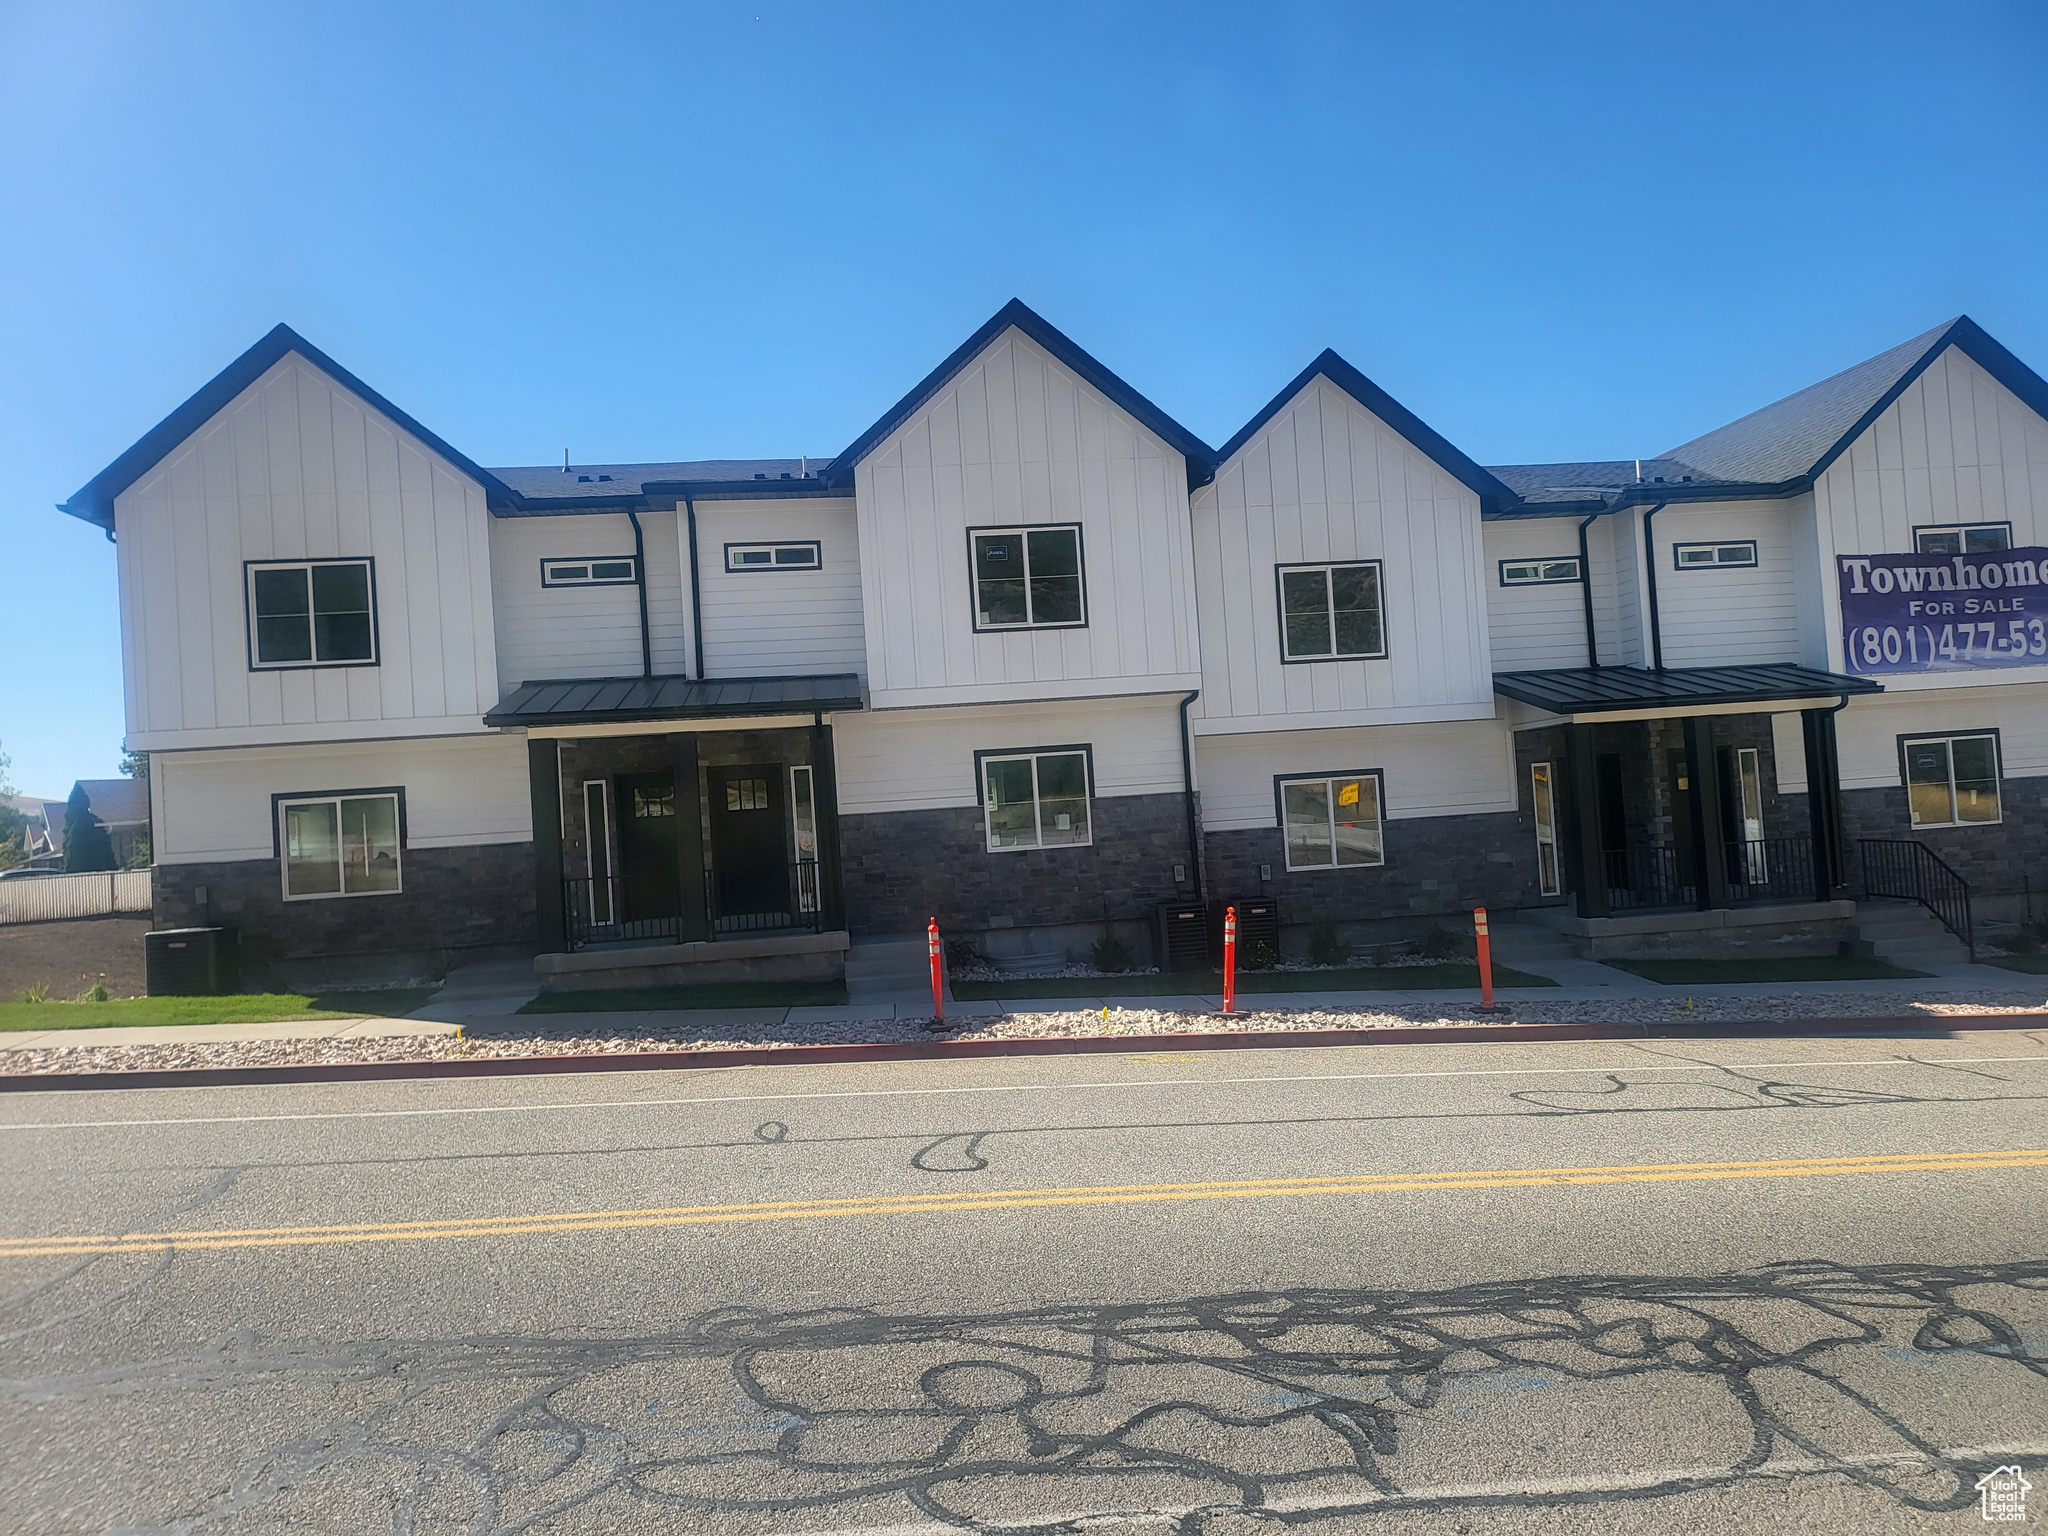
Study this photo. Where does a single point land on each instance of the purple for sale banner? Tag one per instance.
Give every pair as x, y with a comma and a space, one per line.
1944, 613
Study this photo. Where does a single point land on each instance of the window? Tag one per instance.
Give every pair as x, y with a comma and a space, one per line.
802, 556
1330, 612
747, 795
340, 845
597, 571
1027, 578
654, 802
1537, 573
1962, 538
597, 848
1951, 781
1548, 880
1706, 557
804, 817
1332, 822
1035, 799
312, 613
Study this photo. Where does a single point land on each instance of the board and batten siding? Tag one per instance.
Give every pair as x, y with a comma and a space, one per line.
1738, 616
1538, 626
1957, 446
1328, 480
586, 631
459, 791
910, 760
1448, 768
298, 467
1016, 437
775, 623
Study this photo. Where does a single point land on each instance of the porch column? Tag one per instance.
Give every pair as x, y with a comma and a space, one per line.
544, 786
1582, 827
1824, 802
693, 923
1710, 833
825, 795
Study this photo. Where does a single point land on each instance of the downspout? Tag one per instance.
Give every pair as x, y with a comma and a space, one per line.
696, 590
1187, 782
640, 581
1586, 592
1650, 568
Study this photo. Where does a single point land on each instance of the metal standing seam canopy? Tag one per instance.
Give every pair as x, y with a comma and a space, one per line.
617, 700
1678, 690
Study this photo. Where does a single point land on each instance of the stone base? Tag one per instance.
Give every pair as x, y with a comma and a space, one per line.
1809, 928
784, 957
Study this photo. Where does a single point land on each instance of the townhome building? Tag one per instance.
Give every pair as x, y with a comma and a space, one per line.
1030, 658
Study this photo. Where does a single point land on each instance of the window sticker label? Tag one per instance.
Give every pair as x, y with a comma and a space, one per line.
1944, 612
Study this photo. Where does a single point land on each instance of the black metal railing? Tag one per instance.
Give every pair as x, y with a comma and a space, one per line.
1771, 869
1643, 875
734, 910
593, 912
1907, 871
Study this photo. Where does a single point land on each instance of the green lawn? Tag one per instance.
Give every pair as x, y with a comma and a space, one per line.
732, 994
1701, 973
234, 1008
1207, 983
2031, 965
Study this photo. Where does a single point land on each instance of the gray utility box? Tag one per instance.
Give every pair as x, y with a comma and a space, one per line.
191, 962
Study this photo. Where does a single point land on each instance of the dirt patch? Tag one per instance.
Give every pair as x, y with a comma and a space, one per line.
68, 957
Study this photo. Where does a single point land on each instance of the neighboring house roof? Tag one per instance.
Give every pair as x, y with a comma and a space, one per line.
1493, 495
584, 701
1200, 460
117, 802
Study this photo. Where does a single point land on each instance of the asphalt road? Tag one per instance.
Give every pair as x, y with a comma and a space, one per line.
1791, 1285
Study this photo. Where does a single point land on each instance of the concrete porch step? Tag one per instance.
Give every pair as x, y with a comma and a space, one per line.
1905, 934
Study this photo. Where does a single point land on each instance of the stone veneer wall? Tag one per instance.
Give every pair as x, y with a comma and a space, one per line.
1999, 861
905, 867
458, 904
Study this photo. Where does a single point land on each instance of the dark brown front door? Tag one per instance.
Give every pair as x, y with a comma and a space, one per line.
646, 819
749, 852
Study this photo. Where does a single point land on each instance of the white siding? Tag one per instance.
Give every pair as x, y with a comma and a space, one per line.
458, 791
1534, 626
296, 467
1626, 599
1018, 438
1453, 768
771, 623
548, 632
905, 760
1956, 446
1741, 616
1328, 480
1867, 732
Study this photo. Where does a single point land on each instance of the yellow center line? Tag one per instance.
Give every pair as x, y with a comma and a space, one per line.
1009, 1199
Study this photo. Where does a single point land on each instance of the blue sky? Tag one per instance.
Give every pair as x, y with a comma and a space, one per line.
668, 232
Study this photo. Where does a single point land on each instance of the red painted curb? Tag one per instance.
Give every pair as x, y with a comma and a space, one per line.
1046, 1045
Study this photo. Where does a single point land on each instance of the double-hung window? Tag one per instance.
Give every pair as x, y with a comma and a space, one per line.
340, 845
312, 613
1962, 538
1332, 822
1035, 799
1951, 781
1331, 612
1028, 578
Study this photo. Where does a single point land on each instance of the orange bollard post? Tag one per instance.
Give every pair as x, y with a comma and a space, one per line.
938, 978
1485, 959
1229, 959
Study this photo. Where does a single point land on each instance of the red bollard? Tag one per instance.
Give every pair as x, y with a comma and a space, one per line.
1485, 959
1229, 958
938, 978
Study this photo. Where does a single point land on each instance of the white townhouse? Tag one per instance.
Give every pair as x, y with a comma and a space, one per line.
1031, 658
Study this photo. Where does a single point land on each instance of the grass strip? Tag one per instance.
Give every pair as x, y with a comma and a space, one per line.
732, 994
1401, 978
231, 1008
1704, 973
2026, 965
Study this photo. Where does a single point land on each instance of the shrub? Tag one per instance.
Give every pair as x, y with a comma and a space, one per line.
1325, 945
962, 952
38, 993
1382, 954
1110, 953
1440, 944
1256, 955
96, 993
2026, 939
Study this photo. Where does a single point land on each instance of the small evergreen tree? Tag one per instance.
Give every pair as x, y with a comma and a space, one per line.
86, 844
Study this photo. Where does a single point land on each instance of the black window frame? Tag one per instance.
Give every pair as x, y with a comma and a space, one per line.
278, 802
1028, 627
1280, 783
1750, 564
981, 761
1280, 610
249, 570
1578, 571
632, 561
1962, 528
817, 562
1905, 739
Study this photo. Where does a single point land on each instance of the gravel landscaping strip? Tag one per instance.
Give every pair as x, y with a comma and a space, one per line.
507, 1039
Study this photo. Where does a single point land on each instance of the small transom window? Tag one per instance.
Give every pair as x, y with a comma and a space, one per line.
1331, 612
1707, 557
599, 571
803, 555
312, 613
746, 795
1536, 573
1963, 538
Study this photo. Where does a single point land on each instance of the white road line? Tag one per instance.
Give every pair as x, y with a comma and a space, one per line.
920, 1093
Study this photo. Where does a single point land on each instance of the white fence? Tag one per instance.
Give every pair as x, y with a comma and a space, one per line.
46, 898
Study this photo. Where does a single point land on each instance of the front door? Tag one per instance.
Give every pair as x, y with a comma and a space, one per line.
749, 852
647, 846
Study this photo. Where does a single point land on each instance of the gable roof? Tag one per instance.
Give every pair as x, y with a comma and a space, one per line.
1200, 460
94, 501
1493, 495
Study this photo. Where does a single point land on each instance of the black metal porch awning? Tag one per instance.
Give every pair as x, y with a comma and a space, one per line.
621, 700
1581, 691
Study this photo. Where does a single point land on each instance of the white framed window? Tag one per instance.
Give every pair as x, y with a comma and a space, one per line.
803, 816
1962, 538
346, 844
1331, 612
1539, 573
597, 571
1332, 821
1028, 577
1951, 781
1542, 799
597, 848
1722, 555
311, 613
1035, 799
790, 555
